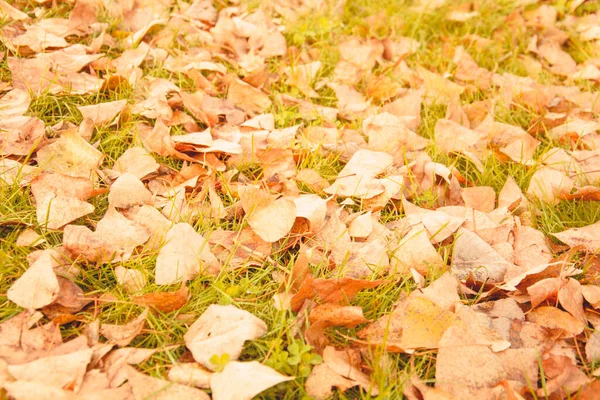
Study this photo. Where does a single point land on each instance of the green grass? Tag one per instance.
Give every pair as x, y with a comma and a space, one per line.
252, 288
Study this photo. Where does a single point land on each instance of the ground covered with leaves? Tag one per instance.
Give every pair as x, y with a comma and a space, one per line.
299, 199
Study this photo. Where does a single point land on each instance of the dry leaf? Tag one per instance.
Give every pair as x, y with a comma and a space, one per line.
61, 199
70, 155
29, 238
185, 255
423, 324
21, 136
128, 191
60, 371
473, 255
336, 371
115, 238
244, 380
248, 98
415, 251
273, 221
11, 12
122, 335
144, 387
136, 161
37, 287
103, 113
220, 330
585, 237
132, 280
190, 374
548, 185
165, 302
553, 318
358, 177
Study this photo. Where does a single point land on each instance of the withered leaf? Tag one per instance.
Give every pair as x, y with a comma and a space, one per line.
165, 302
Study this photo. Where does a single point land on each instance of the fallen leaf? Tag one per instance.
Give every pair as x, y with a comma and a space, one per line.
220, 330
547, 185
122, 335
244, 380
103, 113
423, 324
144, 386
61, 199
553, 318
115, 238
70, 299
415, 251
336, 371
586, 237
37, 287
165, 302
70, 155
473, 255
128, 191
12, 12
273, 221
190, 374
387, 133
136, 161
21, 136
60, 371
132, 280
29, 238
335, 291
358, 177
185, 255
248, 98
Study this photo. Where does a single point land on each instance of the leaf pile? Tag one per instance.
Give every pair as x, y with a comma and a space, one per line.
359, 193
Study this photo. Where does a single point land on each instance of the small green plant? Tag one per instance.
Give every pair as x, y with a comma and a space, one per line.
297, 360
220, 361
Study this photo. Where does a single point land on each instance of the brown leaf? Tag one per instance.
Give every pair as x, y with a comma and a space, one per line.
185, 255
248, 98
70, 300
358, 177
473, 255
553, 318
548, 185
21, 135
11, 12
190, 374
59, 371
37, 287
136, 161
337, 371
273, 221
570, 298
144, 386
122, 335
415, 251
544, 289
164, 302
103, 113
70, 155
115, 238
32, 74
61, 199
128, 191
386, 132
222, 329
423, 324
244, 380
586, 237
336, 291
